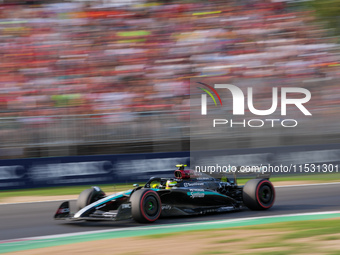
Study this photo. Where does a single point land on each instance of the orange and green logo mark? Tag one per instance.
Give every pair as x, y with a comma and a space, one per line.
204, 97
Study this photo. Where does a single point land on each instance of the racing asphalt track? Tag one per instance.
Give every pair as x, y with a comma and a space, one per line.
36, 219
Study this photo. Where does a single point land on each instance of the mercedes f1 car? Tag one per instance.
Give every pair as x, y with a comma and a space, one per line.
189, 193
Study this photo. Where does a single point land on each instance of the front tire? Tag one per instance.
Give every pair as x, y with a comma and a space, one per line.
258, 194
89, 196
146, 206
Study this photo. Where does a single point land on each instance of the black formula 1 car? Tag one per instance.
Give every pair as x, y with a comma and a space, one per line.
189, 193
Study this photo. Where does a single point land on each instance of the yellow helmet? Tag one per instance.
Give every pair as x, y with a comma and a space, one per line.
170, 184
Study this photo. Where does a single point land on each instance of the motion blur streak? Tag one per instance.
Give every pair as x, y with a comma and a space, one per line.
77, 76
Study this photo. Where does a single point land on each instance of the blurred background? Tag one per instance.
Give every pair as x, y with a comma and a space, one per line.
113, 76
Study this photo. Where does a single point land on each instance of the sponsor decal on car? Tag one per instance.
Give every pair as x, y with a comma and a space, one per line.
166, 207
196, 193
203, 178
63, 210
188, 184
210, 210
126, 206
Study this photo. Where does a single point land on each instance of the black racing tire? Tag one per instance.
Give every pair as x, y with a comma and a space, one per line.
258, 194
146, 206
89, 196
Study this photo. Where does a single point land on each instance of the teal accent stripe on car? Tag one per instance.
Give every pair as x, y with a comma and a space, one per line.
214, 193
127, 193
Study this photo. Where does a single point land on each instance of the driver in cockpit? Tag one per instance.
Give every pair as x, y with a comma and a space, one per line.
170, 184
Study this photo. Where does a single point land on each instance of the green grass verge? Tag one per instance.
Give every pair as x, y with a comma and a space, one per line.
111, 188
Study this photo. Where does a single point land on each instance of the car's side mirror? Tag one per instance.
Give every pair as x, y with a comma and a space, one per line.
136, 185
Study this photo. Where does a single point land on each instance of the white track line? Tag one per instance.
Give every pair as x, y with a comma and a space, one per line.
164, 226
285, 186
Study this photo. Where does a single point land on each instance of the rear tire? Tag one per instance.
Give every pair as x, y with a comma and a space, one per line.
146, 206
258, 194
89, 196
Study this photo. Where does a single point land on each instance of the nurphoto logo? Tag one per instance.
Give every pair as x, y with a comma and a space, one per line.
238, 99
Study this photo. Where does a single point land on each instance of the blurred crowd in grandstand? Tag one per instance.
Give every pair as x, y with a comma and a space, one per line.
119, 60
